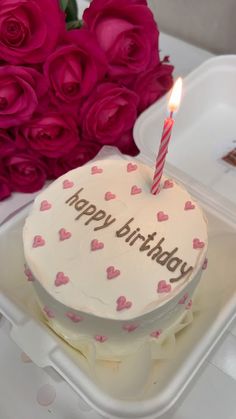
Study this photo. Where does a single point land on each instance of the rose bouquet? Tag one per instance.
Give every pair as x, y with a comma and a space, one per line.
68, 87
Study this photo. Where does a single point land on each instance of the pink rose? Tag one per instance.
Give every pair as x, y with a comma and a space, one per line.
128, 34
52, 134
74, 69
144, 2
26, 173
153, 84
80, 155
108, 112
5, 189
21, 88
29, 30
126, 144
7, 145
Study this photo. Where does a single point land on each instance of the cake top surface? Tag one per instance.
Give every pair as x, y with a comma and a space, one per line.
101, 243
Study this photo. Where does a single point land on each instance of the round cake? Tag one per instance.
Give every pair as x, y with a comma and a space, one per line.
113, 265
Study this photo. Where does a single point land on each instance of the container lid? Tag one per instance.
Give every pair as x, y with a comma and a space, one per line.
202, 149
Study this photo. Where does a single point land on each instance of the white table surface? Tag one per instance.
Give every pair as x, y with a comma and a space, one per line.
25, 388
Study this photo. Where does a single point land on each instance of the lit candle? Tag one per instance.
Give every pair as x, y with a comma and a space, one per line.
166, 134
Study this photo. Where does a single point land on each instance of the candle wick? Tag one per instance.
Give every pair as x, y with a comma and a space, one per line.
171, 114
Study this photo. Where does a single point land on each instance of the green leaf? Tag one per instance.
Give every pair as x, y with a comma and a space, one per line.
74, 24
64, 4
71, 10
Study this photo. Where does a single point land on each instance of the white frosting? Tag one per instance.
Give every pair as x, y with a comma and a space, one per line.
90, 291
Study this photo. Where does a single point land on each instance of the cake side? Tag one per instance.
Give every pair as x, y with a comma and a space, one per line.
110, 339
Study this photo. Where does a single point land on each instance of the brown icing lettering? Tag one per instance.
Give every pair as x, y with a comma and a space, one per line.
74, 198
173, 264
81, 204
87, 209
183, 272
132, 234
106, 223
145, 245
124, 229
99, 215
157, 247
165, 256
99, 220
139, 236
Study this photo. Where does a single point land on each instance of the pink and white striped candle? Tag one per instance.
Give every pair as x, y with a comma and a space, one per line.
165, 139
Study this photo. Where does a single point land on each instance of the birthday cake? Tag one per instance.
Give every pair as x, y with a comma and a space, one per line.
113, 265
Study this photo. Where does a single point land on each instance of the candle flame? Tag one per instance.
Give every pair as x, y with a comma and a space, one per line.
175, 96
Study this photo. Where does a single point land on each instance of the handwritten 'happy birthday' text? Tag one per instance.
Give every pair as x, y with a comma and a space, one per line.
145, 243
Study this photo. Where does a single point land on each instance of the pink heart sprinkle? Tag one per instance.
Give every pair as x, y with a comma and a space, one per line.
38, 241
183, 299
74, 317
205, 263
46, 395
131, 167
96, 170
63, 234
109, 195
112, 272
67, 184
135, 190
163, 286
49, 312
161, 216
197, 244
121, 300
100, 338
189, 305
45, 205
96, 245
61, 279
155, 334
168, 184
25, 358
129, 327
122, 303
189, 206
28, 274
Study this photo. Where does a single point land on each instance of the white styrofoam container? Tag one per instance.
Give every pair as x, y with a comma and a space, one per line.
139, 387
204, 131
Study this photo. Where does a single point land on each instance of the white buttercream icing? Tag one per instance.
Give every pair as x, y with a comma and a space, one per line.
101, 244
